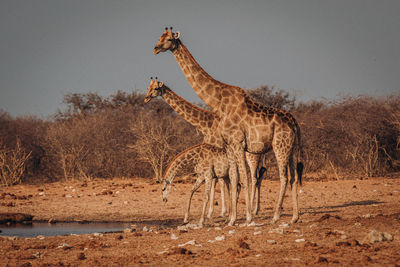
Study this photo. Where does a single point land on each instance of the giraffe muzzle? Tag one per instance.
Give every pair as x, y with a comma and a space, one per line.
156, 50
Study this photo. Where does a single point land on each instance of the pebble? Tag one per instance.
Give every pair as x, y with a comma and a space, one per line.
258, 233
68, 196
145, 229
220, 238
231, 232
270, 241
174, 237
277, 231
300, 240
40, 237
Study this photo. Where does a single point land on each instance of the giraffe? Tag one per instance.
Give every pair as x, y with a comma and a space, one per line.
207, 122
245, 126
210, 163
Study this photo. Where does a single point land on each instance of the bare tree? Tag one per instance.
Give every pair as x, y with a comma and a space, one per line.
12, 164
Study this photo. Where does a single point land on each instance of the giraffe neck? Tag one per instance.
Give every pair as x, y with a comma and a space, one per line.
200, 118
205, 86
188, 157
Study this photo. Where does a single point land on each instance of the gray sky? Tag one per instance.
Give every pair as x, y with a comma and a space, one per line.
316, 48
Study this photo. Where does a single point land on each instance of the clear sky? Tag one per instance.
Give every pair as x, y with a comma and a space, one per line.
315, 48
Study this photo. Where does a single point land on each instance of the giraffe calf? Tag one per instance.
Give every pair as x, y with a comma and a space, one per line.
210, 163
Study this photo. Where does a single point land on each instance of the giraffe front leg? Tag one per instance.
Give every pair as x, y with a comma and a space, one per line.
245, 182
195, 187
223, 204
233, 175
212, 195
206, 200
252, 162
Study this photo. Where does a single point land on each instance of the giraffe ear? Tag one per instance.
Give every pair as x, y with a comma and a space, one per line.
160, 84
177, 35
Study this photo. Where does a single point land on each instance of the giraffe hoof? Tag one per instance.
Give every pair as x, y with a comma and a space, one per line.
294, 220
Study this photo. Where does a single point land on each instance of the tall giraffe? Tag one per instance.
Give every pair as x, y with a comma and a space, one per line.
245, 126
207, 122
210, 163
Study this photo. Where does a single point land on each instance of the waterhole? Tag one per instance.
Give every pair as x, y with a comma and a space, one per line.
67, 228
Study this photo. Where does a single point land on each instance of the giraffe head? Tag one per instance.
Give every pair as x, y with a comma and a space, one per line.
168, 41
155, 89
165, 188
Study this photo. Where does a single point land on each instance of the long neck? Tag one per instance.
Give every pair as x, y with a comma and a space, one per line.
205, 86
188, 157
200, 118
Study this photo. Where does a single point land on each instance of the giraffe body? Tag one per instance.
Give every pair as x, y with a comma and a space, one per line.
245, 126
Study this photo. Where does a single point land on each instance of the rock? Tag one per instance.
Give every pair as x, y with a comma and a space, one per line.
270, 241
220, 238
40, 237
243, 244
218, 228
81, 256
231, 232
375, 236
65, 246
257, 233
145, 229
300, 240
174, 237
276, 231
191, 242
128, 230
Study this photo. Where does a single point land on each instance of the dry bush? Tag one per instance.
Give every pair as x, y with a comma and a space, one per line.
12, 164
348, 136
270, 96
159, 138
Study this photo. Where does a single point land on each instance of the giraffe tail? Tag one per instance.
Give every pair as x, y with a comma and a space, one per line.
300, 157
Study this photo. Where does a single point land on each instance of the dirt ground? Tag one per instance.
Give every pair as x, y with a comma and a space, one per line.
346, 222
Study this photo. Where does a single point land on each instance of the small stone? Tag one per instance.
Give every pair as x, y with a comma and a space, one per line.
277, 231
128, 230
42, 194
218, 228
81, 256
270, 241
301, 191
145, 229
220, 238
257, 233
126, 202
98, 234
40, 237
300, 240
231, 232
174, 237
68, 196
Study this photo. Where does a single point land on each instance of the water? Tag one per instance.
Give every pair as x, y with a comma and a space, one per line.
46, 229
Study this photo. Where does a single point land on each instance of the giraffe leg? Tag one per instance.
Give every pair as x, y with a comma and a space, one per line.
195, 187
212, 195
258, 187
293, 186
223, 204
240, 161
233, 175
252, 162
282, 165
206, 200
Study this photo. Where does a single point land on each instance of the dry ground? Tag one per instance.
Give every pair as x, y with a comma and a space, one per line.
336, 217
